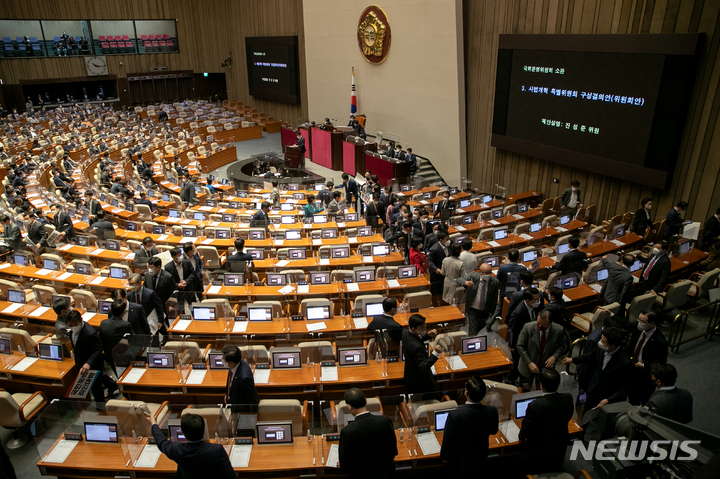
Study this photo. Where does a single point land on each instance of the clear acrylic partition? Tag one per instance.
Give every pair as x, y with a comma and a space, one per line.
130, 348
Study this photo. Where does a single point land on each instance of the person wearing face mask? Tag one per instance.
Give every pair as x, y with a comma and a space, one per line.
481, 297
62, 307
570, 198
612, 370
149, 300
36, 230
616, 288
649, 347
133, 312
240, 390
669, 401
374, 210
88, 352
524, 313
642, 219
467, 431
399, 153
147, 250
452, 269
656, 273
444, 207
431, 239
540, 345
421, 225
417, 257
183, 274
586, 371
159, 280
436, 255
418, 364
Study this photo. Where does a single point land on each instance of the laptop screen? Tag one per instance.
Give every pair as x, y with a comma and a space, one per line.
317, 312
257, 254
501, 233
286, 207
5, 346
233, 279
487, 198
320, 278
380, 249
373, 309
567, 282
199, 216
215, 361
176, 434
364, 275
684, 247
340, 252
296, 253
352, 356
259, 314
50, 351
477, 344
535, 227
117, 273
276, 279
441, 419
563, 248
293, 235
521, 407
286, 359
16, 296
406, 272
203, 313
189, 232
601, 274
51, 264
464, 203
274, 433
637, 266
564, 219
164, 360
468, 219
101, 432
22, 259
173, 213
104, 307
529, 256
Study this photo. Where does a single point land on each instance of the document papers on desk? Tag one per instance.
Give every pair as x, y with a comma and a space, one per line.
510, 431
595, 287
65, 247
262, 376
428, 443
196, 377
566, 299
43, 272
64, 276
149, 456
317, 242
329, 374
5, 265
352, 287
526, 236
182, 325
455, 362
324, 262
393, 283
240, 455
13, 307
134, 376
353, 240
240, 326
88, 316
361, 323
62, 450
98, 280
494, 244
24, 364
333, 459
316, 326
617, 243
286, 289
39, 312
214, 289
303, 289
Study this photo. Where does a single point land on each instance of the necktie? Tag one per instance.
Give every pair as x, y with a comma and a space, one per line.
638, 348
482, 290
650, 266
157, 277
227, 388
543, 339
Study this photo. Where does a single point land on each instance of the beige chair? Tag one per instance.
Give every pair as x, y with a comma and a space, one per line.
84, 299
6, 285
449, 342
255, 353
15, 412
305, 303
674, 296
510, 210
339, 275
587, 322
134, 245
419, 300
340, 415
188, 352
43, 294
182, 144
277, 309
202, 151
197, 141
211, 257
486, 234
285, 410
703, 284
294, 275
144, 212
22, 338
363, 299
87, 264
58, 259
214, 147
550, 221
424, 415
225, 308
131, 415
639, 304
522, 228
316, 351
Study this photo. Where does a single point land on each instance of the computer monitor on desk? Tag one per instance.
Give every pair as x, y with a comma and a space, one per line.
230, 279
287, 219
216, 361
338, 252
492, 260
567, 282
487, 199
285, 358
23, 259
105, 432
364, 231
51, 264
373, 309
158, 229
565, 219
161, 360
172, 213
684, 247
118, 273
131, 226
273, 433
222, 233
293, 235
529, 256
477, 344
618, 231
204, 313
16, 296
296, 253
50, 351
380, 249
563, 249
364, 274
5, 345
535, 227
500, 233
276, 279
259, 314
601, 274
441, 417
319, 277
407, 271
521, 407
329, 233
352, 356
315, 313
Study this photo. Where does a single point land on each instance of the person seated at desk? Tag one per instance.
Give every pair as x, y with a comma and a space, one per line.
417, 372
669, 401
310, 208
88, 352
240, 390
260, 218
145, 201
19, 180
368, 446
195, 458
36, 229
327, 125
545, 426
238, 256
386, 321
574, 260
399, 153
466, 438
102, 225
334, 206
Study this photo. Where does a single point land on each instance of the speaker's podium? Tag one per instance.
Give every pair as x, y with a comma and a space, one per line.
354, 149
327, 147
292, 156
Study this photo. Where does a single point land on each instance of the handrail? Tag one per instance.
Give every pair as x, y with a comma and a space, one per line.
677, 329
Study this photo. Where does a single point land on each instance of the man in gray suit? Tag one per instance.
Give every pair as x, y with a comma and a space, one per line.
541, 344
668, 401
481, 295
188, 194
617, 287
11, 233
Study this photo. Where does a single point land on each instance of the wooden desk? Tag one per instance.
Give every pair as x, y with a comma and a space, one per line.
327, 148
387, 169
69, 279
218, 159
601, 248
354, 156
508, 220
530, 197
51, 377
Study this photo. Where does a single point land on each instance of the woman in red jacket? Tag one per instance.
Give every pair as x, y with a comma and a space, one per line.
417, 257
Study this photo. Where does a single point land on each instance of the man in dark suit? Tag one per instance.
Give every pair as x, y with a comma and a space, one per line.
399, 153
612, 372
386, 321
545, 426
513, 267
404, 238
526, 281
350, 188
642, 219
145, 201
62, 222
574, 260
36, 230
374, 211
524, 313
88, 349
367, 446
133, 313
648, 346
113, 329
190, 254
467, 432
412, 159
712, 230
195, 458
101, 225
444, 207
260, 218
540, 345
418, 374
300, 143
674, 221
481, 297
159, 280
616, 288
570, 199
150, 301
93, 205
436, 255
656, 273
669, 401
238, 256
240, 387
183, 274
11, 233
147, 250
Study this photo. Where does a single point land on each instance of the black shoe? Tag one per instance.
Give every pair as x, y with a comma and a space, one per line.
111, 391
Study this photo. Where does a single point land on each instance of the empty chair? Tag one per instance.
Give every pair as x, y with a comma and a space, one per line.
53, 257
211, 257
131, 415
675, 296
510, 210
384, 271
308, 303
188, 352
124, 267
419, 300
225, 308
214, 147
43, 294
360, 301
144, 212
285, 410
550, 221
486, 234
84, 299
84, 264
703, 284
449, 342
16, 410
587, 322
424, 415
639, 304
294, 275
201, 150
339, 275
22, 338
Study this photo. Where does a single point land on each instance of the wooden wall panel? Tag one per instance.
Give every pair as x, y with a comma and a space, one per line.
697, 170
207, 32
